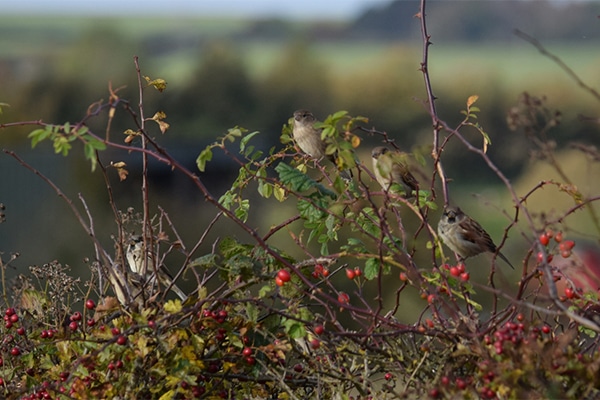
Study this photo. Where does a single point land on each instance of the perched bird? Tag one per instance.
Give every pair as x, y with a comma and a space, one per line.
145, 271
389, 168
464, 236
308, 138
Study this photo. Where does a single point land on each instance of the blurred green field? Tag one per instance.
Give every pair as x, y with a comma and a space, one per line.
515, 62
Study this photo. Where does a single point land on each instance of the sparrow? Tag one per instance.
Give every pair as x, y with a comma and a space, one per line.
308, 138
145, 271
464, 236
390, 168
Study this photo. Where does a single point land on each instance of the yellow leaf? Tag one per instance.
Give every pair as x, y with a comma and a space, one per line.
471, 100
118, 164
159, 84
355, 141
163, 126
158, 116
173, 306
142, 346
279, 193
168, 395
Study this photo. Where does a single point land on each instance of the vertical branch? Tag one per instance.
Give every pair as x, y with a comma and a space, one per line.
146, 224
436, 152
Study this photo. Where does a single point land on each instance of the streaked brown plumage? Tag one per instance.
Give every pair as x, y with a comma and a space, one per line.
308, 139
389, 168
144, 271
464, 236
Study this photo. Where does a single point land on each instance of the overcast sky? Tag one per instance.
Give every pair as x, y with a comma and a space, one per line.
303, 9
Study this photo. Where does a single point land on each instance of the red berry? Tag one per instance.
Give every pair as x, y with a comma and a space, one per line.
319, 329
14, 318
454, 271
461, 268
8, 325
350, 273
558, 237
279, 282
247, 351
520, 317
565, 253
250, 360
343, 298
430, 298
325, 273
546, 329
73, 325
298, 368
357, 271
15, 351
10, 311
445, 380
76, 316
315, 343
464, 277
403, 277
21, 331
284, 275
567, 245
544, 239
540, 257
91, 322
388, 376
122, 340
89, 304
569, 293
115, 331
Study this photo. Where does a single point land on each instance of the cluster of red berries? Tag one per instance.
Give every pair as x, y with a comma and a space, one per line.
457, 271
353, 273
319, 271
283, 276
121, 338
515, 333
565, 247
220, 316
42, 393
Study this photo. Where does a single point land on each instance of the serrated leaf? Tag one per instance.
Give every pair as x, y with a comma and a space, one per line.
173, 306
372, 268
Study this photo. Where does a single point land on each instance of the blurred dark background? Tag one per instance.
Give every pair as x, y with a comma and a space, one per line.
254, 72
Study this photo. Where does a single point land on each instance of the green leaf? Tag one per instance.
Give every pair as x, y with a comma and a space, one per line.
246, 139
265, 189
205, 261
205, 156
372, 268
299, 182
61, 145
252, 312
38, 135
264, 291
90, 154
294, 329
